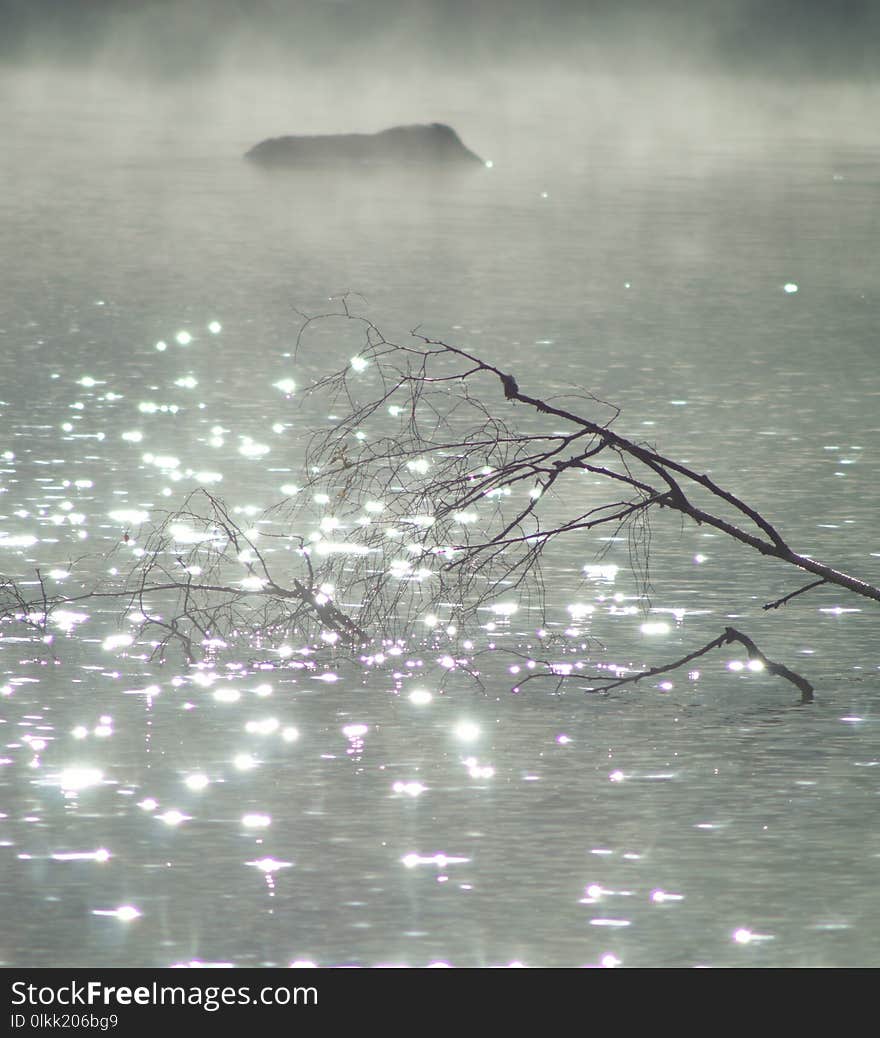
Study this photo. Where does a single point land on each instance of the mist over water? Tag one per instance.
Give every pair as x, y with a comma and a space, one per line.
681, 224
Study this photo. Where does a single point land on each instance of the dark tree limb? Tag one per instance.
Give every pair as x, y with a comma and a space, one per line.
439, 503
603, 683
800, 591
779, 669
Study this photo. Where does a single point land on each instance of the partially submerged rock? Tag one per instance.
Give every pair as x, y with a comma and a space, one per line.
433, 145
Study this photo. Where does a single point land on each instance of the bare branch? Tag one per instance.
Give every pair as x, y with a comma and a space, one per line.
800, 591
605, 683
426, 499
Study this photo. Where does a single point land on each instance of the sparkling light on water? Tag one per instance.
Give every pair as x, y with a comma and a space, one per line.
659, 896
477, 770
173, 818
251, 449
269, 865
76, 778
466, 731
227, 695
410, 789
266, 726
256, 820
100, 855
125, 913
440, 860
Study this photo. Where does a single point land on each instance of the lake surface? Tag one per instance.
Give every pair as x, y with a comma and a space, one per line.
720, 287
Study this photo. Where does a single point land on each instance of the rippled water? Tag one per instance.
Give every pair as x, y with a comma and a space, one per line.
159, 814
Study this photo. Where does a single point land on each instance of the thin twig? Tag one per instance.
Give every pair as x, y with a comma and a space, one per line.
800, 591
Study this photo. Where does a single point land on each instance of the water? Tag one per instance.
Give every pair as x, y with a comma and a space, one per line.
151, 816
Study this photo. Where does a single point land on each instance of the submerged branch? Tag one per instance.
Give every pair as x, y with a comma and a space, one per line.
793, 594
380, 535
602, 683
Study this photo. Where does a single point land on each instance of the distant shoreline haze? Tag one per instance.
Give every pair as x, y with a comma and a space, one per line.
777, 38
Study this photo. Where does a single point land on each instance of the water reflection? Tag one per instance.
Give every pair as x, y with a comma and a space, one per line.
391, 810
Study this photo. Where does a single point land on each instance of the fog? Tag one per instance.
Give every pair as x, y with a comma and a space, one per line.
633, 76
560, 97
780, 37
680, 218
126, 123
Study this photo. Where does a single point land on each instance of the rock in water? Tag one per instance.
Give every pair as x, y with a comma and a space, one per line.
435, 145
